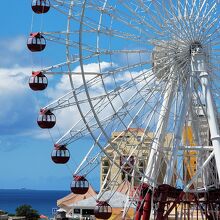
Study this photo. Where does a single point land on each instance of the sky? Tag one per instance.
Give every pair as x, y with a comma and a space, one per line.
24, 148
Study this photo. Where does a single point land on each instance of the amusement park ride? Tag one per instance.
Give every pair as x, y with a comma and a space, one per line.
157, 69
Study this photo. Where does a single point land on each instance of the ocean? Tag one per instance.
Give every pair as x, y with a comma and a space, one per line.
44, 201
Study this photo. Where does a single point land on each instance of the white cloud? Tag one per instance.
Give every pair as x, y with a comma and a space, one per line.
68, 117
20, 105
63, 86
13, 51
17, 44
17, 102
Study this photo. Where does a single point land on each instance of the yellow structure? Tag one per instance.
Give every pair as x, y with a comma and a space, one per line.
190, 156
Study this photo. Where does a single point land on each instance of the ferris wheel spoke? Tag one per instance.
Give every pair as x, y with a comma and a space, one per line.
128, 67
91, 24
201, 9
68, 99
61, 40
61, 2
212, 36
104, 121
63, 7
126, 20
122, 35
62, 66
126, 105
207, 25
178, 23
113, 52
74, 133
129, 109
142, 20
152, 14
109, 32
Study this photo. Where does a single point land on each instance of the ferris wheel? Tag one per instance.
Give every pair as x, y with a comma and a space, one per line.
144, 81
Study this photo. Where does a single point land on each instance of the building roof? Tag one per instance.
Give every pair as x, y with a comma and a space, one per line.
117, 200
135, 129
72, 198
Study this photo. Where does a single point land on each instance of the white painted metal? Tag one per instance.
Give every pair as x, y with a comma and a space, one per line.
179, 130
201, 68
154, 159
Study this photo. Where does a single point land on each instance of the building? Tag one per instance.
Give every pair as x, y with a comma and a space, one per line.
134, 146
66, 204
82, 206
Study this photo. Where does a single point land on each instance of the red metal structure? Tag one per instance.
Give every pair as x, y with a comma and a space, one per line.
102, 210
46, 119
38, 81
172, 203
36, 42
79, 185
60, 154
143, 209
40, 6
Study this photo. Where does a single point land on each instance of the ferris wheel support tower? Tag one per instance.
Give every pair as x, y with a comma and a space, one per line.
200, 66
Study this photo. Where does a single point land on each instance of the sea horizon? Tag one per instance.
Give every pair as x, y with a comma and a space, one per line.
42, 200
24, 188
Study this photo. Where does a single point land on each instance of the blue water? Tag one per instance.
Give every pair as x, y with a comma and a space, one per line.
41, 200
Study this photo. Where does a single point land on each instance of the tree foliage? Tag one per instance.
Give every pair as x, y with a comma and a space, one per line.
28, 212
3, 212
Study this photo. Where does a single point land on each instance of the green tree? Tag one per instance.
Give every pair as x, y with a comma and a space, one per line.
28, 212
3, 212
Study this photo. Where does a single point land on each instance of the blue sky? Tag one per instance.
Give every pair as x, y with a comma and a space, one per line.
24, 148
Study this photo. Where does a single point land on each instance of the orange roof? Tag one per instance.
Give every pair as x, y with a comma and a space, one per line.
72, 198
135, 129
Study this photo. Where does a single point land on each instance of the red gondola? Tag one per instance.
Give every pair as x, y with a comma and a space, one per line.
38, 81
46, 119
102, 210
60, 154
79, 185
40, 6
36, 42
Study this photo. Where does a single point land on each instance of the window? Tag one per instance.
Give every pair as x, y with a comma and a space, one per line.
141, 163
138, 138
87, 212
76, 211
105, 163
105, 170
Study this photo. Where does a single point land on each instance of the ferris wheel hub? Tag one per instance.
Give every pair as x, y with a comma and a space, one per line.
196, 47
